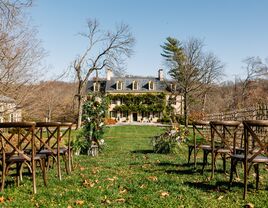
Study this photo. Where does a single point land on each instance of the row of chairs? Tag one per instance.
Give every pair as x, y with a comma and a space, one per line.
243, 142
29, 145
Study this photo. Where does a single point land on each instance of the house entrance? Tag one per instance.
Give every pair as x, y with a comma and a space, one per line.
135, 116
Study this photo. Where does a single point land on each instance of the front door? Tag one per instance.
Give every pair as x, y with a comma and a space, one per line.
135, 116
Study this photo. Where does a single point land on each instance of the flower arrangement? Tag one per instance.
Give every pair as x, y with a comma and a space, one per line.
91, 136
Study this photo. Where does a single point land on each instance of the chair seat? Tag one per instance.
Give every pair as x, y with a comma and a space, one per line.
257, 159
17, 159
223, 150
205, 147
63, 150
46, 152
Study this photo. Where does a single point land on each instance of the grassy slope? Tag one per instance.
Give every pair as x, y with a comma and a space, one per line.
128, 174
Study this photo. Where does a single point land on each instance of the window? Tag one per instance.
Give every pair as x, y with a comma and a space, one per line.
96, 87
113, 114
119, 85
134, 85
151, 85
173, 87
125, 114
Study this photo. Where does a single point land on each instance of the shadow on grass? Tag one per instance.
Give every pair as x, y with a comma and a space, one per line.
220, 186
142, 151
181, 172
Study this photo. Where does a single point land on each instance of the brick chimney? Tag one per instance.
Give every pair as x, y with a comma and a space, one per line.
161, 75
109, 74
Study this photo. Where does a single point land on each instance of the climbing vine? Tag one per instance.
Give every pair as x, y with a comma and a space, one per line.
140, 103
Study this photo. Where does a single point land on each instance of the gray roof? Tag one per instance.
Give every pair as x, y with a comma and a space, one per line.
143, 84
6, 99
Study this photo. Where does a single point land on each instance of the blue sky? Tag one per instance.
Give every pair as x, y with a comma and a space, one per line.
232, 29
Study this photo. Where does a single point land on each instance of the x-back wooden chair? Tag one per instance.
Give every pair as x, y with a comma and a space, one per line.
201, 140
255, 150
66, 150
18, 148
48, 136
222, 135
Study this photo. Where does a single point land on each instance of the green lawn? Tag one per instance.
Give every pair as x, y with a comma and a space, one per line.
128, 174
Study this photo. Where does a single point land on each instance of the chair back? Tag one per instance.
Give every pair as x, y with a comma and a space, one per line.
224, 133
17, 139
201, 132
255, 138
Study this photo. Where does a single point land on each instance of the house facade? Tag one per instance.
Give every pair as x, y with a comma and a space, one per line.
137, 98
8, 110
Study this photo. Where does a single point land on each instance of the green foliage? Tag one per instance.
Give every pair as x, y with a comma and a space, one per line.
169, 141
129, 174
172, 50
140, 103
94, 112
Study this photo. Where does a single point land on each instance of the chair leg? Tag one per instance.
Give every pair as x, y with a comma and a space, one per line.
224, 162
190, 150
256, 168
245, 179
3, 178
205, 160
71, 162
233, 170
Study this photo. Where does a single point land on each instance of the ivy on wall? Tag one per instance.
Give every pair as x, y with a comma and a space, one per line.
139, 103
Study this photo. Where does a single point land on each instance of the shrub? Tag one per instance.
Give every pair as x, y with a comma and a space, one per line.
94, 111
169, 141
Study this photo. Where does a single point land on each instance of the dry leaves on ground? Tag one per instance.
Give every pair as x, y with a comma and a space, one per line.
152, 178
164, 194
88, 183
220, 197
105, 200
79, 202
2, 199
120, 200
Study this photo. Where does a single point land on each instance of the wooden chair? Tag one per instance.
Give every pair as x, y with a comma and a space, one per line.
222, 136
66, 150
48, 136
18, 148
255, 150
201, 140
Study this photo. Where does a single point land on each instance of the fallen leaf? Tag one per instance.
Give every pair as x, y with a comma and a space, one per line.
123, 191
142, 186
69, 206
105, 200
152, 178
82, 168
220, 197
79, 202
120, 200
95, 171
249, 205
2, 199
88, 183
164, 194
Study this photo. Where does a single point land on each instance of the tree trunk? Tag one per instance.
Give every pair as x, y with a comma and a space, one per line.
185, 107
80, 112
80, 105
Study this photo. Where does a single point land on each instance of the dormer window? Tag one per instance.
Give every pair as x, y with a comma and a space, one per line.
96, 87
134, 85
119, 85
151, 85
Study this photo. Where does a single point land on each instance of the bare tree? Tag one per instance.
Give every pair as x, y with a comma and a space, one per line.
191, 68
105, 49
20, 50
255, 68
